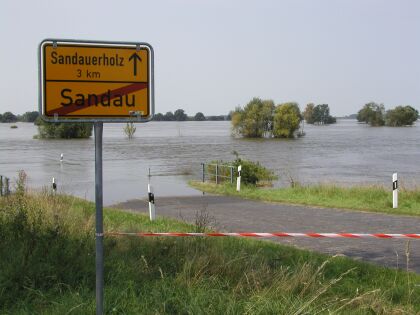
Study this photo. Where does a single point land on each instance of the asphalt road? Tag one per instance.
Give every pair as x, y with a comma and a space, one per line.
230, 214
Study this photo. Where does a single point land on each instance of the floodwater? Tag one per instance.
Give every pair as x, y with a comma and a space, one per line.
346, 153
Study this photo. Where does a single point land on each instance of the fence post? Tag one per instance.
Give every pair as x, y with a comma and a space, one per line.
231, 174
1, 185
6, 188
203, 172
394, 191
217, 173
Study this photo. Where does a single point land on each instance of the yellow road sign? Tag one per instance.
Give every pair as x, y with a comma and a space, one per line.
96, 81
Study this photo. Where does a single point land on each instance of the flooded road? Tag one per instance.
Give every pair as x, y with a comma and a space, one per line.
346, 153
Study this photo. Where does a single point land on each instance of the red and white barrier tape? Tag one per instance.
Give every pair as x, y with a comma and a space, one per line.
313, 235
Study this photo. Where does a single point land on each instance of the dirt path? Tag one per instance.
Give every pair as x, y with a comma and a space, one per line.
238, 215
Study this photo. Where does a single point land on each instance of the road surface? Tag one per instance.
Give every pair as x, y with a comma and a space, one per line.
231, 214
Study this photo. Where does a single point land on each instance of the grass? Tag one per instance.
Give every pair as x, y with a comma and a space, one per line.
47, 266
367, 198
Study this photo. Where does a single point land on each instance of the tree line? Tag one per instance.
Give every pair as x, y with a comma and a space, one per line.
180, 115
375, 115
9, 117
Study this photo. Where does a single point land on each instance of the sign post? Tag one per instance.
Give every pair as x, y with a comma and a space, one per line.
92, 81
99, 229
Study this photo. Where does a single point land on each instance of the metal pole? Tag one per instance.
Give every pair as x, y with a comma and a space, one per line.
1, 185
99, 220
231, 174
217, 173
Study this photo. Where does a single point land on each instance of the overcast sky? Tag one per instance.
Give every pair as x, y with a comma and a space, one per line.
211, 56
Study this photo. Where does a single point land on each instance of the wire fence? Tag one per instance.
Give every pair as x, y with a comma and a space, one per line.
218, 173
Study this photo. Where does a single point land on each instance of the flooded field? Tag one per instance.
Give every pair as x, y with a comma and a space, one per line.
346, 153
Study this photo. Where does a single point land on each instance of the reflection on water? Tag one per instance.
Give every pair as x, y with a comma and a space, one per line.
345, 153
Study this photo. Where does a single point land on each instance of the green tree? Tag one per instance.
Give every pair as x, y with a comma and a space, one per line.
321, 115
8, 117
158, 117
199, 117
52, 130
372, 114
169, 116
309, 113
30, 116
401, 116
180, 115
255, 120
287, 118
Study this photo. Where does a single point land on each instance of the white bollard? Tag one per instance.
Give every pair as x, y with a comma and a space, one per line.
152, 212
394, 191
61, 157
54, 185
238, 179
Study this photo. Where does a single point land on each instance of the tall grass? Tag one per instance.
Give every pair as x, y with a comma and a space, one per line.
47, 267
367, 198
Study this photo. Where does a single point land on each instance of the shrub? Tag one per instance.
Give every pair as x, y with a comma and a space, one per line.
252, 172
130, 130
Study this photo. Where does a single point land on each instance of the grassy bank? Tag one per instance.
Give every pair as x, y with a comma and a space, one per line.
47, 267
367, 198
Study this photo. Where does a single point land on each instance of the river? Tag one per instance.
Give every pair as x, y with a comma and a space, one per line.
346, 153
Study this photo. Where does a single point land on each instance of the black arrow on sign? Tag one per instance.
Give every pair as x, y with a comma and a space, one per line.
135, 57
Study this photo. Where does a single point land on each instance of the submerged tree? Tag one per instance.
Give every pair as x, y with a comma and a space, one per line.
287, 119
308, 113
255, 119
372, 114
401, 116
53, 130
319, 114
261, 118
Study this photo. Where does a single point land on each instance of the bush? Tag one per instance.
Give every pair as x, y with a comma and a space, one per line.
130, 130
252, 172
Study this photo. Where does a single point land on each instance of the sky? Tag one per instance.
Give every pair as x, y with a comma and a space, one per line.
211, 56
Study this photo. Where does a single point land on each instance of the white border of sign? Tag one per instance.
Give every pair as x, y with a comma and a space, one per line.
95, 43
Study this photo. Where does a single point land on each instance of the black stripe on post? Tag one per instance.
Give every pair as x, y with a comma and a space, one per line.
395, 185
151, 198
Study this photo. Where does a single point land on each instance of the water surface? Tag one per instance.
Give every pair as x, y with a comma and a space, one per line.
346, 153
